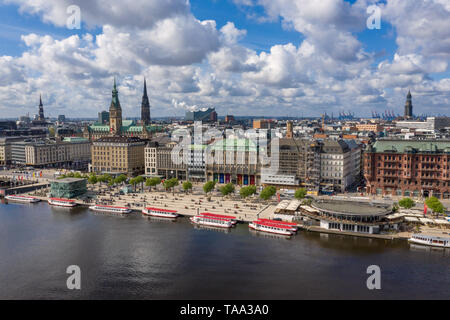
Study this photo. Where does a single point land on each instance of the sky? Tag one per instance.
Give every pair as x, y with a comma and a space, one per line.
244, 57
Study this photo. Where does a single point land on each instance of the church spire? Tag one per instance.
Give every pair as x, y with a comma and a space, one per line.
408, 106
115, 112
145, 106
41, 116
115, 103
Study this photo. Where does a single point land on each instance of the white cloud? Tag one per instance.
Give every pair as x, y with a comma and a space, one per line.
422, 27
190, 64
118, 13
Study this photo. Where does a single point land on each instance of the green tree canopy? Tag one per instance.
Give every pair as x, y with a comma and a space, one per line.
92, 179
187, 185
120, 179
300, 193
209, 186
170, 183
227, 189
406, 203
104, 178
247, 191
434, 204
268, 192
140, 179
152, 182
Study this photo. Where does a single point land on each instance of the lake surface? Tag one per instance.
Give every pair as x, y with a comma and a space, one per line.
134, 257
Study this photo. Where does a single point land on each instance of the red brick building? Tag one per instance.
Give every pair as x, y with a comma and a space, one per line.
408, 168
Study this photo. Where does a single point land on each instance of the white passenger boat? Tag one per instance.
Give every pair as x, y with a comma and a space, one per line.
292, 225
62, 202
212, 221
271, 228
427, 240
161, 213
22, 199
221, 216
111, 209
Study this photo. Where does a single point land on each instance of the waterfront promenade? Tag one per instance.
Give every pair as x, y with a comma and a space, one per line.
186, 204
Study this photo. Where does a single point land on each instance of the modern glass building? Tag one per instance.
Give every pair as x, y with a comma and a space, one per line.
68, 188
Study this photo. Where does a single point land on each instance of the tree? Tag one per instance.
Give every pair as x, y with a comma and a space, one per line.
51, 131
134, 182
209, 186
120, 179
171, 183
300, 193
140, 180
92, 179
247, 191
268, 193
227, 189
434, 204
187, 185
104, 178
152, 182
406, 203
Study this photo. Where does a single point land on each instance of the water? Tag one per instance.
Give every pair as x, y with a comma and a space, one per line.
139, 258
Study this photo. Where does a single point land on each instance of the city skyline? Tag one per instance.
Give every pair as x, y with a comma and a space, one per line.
240, 57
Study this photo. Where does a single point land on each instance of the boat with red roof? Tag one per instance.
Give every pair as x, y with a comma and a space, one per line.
62, 202
22, 199
292, 225
160, 213
212, 221
271, 227
221, 216
111, 209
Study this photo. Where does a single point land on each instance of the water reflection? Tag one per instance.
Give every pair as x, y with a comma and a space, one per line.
158, 259
260, 234
444, 252
210, 228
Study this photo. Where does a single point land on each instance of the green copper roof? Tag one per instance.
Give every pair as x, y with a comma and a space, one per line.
99, 127
127, 123
411, 146
128, 127
75, 139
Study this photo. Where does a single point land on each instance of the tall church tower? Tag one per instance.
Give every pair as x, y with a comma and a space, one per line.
408, 106
145, 107
41, 110
115, 113
289, 130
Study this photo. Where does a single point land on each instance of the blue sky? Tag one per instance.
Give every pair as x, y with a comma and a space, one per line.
299, 57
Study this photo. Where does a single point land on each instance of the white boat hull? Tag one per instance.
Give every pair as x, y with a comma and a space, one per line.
429, 243
24, 199
211, 224
167, 215
109, 210
61, 204
265, 229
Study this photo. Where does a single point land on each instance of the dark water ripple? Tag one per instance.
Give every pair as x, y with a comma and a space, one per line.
139, 258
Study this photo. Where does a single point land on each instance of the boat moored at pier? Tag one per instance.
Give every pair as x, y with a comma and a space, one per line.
160, 213
433, 241
212, 221
221, 216
25, 199
271, 228
62, 202
293, 226
110, 209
